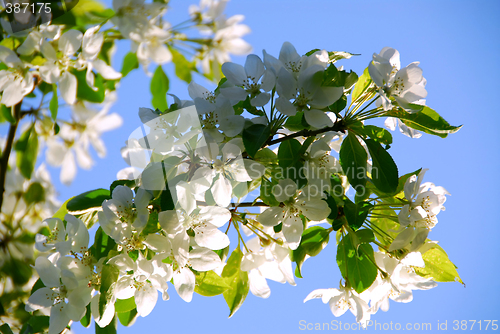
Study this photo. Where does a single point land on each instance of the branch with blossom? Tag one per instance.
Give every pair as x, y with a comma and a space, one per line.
281, 153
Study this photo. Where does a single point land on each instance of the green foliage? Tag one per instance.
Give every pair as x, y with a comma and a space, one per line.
353, 159
84, 92
109, 275
356, 263
5, 329
254, 138
297, 122
87, 318
426, 120
88, 201
384, 169
380, 135
127, 318
27, 150
356, 213
54, 104
210, 284
183, 67
6, 114
159, 88
103, 244
109, 329
438, 266
130, 63
313, 241
361, 90
237, 280
34, 194
125, 305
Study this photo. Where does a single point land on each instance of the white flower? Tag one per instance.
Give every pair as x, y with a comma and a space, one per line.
91, 46
271, 262
142, 284
56, 68
123, 212
85, 130
341, 300
203, 223
419, 216
15, 82
34, 40
406, 86
307, 202
65, 304
308, 95
253, 77
227, 39
74, 237
231, 167
401, 279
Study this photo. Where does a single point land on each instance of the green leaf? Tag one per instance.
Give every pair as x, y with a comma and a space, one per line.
103, 244
88, 200
54, 104
27, 150
266, 192
237, 280
109, 275
5, 329
297, 122
291, 162
127, 318
313, 241
356, 213
210, 284
426, 120
353, 159
38, 285
87, 318
289, 153
109, 329
84, 92
34, 194
159, 88
6, 114
338, 55
39, 323
62, 211
365, 236
125, 305
130, 63
126, 183
266, 156
362, 86
338, 106
378, 134
254, 137
332, 204
438, 266
183, 67
356, 263
384, 170
20, 271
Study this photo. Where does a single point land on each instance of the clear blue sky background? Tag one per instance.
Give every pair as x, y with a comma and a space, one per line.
459, 53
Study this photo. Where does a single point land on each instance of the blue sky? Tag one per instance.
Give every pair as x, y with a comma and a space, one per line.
455, 44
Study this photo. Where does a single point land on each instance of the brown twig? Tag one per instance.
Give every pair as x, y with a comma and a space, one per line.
4, 160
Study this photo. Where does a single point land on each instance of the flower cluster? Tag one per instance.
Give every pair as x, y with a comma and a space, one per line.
254, 155
57, 87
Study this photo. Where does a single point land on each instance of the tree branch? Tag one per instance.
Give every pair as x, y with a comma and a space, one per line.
338, 126
4, 160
